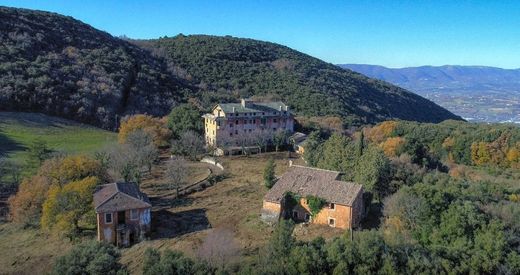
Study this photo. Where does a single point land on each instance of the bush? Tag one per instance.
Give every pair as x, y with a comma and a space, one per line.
90, 258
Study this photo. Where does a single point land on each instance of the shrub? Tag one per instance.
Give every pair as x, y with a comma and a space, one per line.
90, 258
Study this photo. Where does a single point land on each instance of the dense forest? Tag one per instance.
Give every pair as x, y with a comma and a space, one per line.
57, 65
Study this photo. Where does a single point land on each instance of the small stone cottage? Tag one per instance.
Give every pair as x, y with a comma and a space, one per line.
343, 207
123, 213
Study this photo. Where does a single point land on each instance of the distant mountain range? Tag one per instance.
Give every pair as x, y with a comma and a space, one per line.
475, 92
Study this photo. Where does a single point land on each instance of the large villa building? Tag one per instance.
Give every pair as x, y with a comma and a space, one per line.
343, 206
229, 122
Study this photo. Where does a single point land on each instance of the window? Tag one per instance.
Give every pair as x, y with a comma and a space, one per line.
236, 122
218, 123
263, 113
230, 134
236, 132
108, 217
274, 129
274, 120
332, 222
231, 125
332, 206
250, 130
134, 214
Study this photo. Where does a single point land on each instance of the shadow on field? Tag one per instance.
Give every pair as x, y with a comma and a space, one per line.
168, 202
166, 224
7, 145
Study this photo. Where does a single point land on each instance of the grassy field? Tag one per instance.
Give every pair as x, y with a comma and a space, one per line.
19, 130
182, 224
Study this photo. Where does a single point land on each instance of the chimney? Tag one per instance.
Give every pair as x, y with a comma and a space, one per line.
286, 108
290, 163
243, 102
234, 110
280, 109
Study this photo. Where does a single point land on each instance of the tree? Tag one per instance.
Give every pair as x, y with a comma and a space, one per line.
176, 172
39, 151
171, 262
144, 149
280, 138
10, 172
360, 145
26, 206
155, 127
189, 144
313, 148
262, 139
183, 118
91, 257
66, 206
372, 171
218, 248
269, 176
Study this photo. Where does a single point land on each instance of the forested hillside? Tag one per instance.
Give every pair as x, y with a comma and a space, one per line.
228, 67
57, 65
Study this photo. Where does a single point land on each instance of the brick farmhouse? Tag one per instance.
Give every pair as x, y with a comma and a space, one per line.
123, 213
344, 200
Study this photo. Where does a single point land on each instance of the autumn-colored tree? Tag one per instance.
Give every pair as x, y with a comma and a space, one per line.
156, 127
71, 168
380, 132
66, 206
513, 156
25, 207
480, 153
392, 146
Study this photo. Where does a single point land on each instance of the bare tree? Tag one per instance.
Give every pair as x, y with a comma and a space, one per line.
280, 138
145, 151
176, 173
262, 138
219, 247
189, 144
129, 159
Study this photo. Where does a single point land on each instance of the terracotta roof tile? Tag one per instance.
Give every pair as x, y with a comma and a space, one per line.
119, 196
321, 183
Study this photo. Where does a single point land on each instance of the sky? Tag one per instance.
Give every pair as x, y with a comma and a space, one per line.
391, 33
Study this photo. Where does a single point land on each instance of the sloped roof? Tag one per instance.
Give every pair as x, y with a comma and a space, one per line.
253, 107
320, 183
119, 196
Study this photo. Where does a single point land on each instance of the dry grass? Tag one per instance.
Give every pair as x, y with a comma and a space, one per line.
28, 251
181, 224
233, 203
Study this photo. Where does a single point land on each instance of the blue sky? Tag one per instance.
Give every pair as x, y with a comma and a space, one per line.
390, 33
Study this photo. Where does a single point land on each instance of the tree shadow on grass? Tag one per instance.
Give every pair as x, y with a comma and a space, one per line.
8, 145
166, 224
161, 202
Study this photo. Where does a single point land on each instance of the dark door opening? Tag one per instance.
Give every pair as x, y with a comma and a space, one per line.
121, 217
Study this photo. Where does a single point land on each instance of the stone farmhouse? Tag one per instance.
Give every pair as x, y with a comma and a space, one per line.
238, 124
123, 213
344, 200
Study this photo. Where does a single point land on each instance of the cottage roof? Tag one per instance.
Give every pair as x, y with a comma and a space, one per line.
119, 196
321, 183
253, 107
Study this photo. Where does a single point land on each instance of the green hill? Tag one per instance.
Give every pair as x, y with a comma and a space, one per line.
60, 66
228, 67
19, 130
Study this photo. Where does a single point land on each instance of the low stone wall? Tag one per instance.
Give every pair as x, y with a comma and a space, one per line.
212, 161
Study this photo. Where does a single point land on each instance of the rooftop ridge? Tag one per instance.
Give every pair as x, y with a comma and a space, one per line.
315, 168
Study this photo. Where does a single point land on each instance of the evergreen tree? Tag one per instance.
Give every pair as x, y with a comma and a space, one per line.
269, 176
